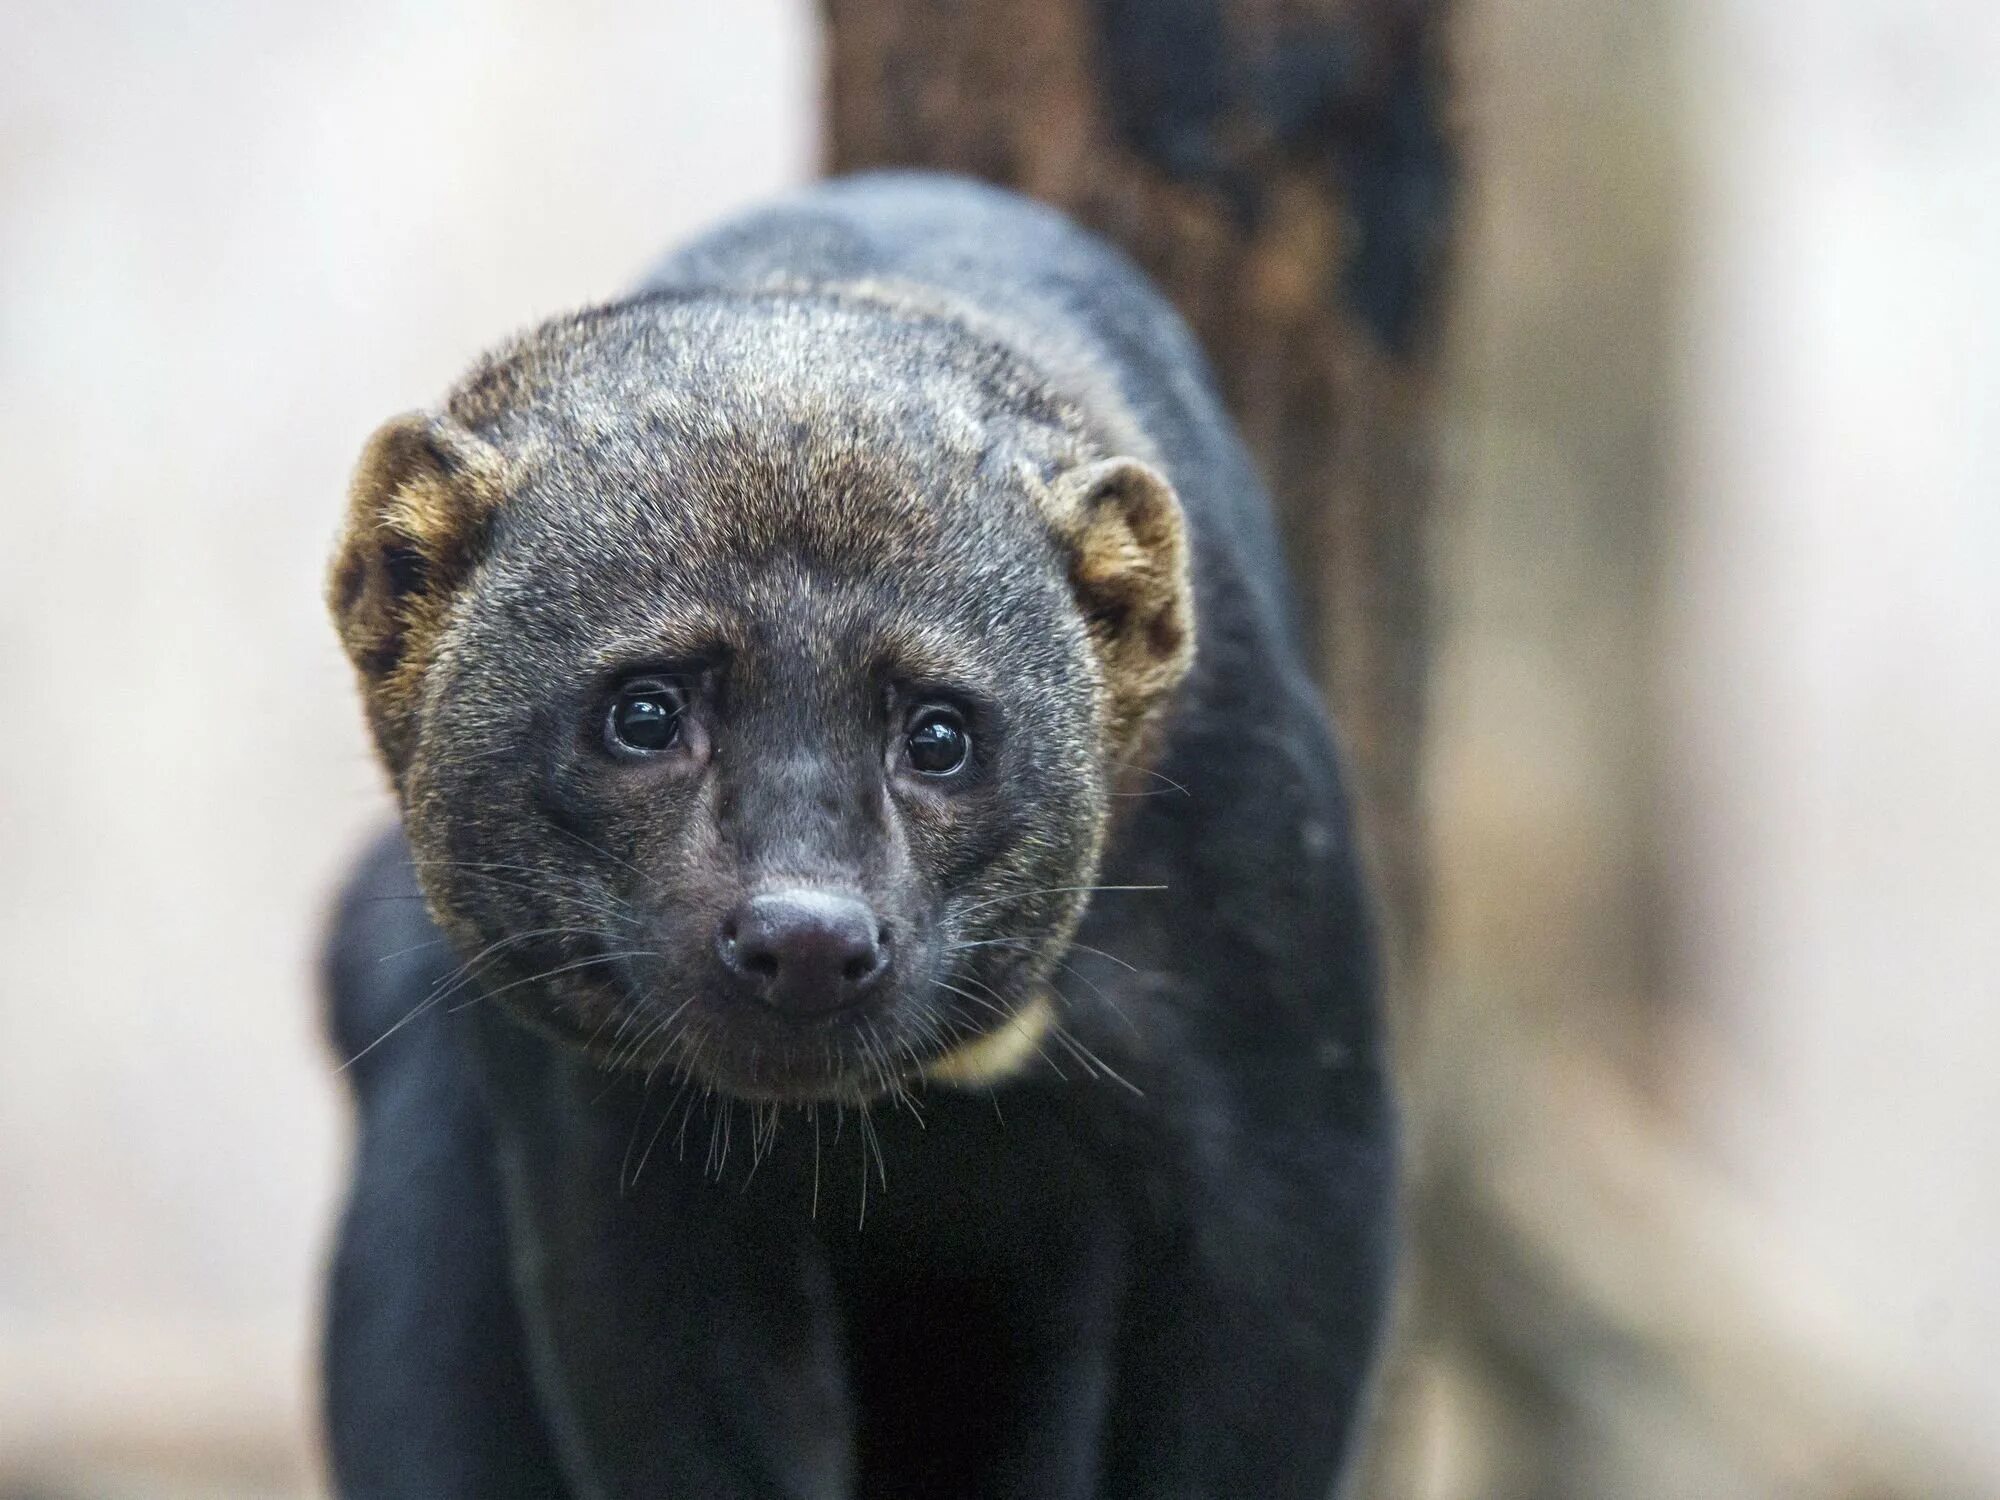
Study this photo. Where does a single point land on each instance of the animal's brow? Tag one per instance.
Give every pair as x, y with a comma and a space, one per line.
671, 637
932, 653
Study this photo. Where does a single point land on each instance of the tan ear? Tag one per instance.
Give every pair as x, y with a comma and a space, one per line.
1129, 567
419, 503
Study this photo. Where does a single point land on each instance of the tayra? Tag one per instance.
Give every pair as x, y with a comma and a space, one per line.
872, 994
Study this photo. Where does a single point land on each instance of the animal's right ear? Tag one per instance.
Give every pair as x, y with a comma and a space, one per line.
419, 504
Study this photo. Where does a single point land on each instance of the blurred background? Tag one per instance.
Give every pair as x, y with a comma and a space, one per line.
1678, 689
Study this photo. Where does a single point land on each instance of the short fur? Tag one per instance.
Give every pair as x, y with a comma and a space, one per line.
1093, 1197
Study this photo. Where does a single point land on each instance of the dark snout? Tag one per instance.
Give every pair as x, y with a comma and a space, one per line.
804, 952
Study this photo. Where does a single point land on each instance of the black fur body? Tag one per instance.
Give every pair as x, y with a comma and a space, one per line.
1151, 1261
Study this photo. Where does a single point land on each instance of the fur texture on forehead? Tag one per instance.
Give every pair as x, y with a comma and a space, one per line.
730, 454
724, 449
801, 403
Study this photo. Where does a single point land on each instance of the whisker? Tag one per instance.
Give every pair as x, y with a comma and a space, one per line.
543, 881
1031, 945
395, 953
813, 1110
604, 905
1091, 1060
1173, 785
465, 973
450, 982
568, 968
645, 878
1053, 890
646, 1038
869, 1143
1003, 1014
975, 999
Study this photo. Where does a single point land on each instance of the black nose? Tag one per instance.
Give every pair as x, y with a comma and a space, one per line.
804, 951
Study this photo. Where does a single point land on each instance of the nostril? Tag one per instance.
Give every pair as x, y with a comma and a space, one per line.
866, 957
761, 963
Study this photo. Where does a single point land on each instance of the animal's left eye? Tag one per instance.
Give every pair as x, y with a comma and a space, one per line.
936, 743
645, 717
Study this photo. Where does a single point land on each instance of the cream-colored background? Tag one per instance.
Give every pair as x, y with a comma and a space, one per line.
235, 236
1833, 652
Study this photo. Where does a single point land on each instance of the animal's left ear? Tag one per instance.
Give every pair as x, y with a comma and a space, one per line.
1129, 568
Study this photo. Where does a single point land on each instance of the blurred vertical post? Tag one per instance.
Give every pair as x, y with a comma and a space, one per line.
1281, 169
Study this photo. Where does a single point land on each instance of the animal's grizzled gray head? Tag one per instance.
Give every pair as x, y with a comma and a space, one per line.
754, 671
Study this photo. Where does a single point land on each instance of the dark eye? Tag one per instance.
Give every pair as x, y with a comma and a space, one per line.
645, 716
936, 743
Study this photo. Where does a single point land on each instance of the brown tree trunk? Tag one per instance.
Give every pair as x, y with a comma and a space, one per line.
1278, 168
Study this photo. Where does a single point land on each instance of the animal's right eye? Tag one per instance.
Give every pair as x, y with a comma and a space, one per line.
645, 716
937, 744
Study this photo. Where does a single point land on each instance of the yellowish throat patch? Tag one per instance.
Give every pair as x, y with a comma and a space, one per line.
998, 1053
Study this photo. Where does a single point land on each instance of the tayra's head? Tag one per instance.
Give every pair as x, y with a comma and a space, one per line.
753, 672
